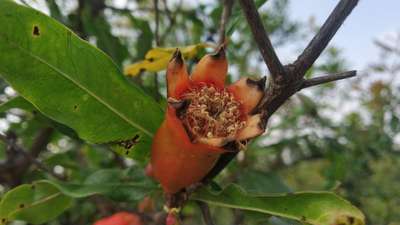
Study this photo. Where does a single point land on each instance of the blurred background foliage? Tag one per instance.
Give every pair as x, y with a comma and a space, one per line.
343, 137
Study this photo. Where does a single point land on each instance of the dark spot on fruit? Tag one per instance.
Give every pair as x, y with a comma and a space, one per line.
36, 31
21, 206
3, 220
150, 59
75, 107
33, 187
351, 219
141, 70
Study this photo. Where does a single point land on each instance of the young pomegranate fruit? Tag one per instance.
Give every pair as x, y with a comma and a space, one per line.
121, 218
201, 117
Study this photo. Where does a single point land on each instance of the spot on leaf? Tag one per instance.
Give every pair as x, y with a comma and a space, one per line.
21, 206
127, 144
36, 31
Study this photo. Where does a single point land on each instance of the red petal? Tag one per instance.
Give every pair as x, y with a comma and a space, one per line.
121, 218
248, 92
177, 76
212, 69
178, 163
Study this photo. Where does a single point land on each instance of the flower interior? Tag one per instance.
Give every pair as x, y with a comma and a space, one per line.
211, 113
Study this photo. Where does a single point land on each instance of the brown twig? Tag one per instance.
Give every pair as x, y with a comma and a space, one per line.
226, 13
325, 34
19, 160
157, 20
158, 42
261, 37
328, 78
286, 80
205, 211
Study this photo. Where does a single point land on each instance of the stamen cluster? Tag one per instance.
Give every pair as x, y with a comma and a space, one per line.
212, 113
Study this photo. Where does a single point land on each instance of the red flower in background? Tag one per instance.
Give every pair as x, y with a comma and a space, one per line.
121, 218
202, 116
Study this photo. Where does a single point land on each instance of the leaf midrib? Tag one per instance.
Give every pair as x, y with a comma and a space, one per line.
66, 76
48, 198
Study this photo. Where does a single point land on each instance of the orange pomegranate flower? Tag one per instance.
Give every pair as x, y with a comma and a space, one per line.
120, 218
202, 116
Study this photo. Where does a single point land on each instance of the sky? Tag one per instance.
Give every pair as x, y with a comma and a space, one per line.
370, 20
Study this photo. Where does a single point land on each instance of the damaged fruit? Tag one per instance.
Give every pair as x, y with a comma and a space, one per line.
202, 116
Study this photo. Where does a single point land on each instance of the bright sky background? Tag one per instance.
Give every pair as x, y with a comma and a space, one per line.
370, 20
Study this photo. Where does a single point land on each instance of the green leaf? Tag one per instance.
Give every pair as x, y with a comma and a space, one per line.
317, 208
35, 203
127, 186
16, 102
44, 200
71, 81
145, 38
258, 182
237, 16
98, 26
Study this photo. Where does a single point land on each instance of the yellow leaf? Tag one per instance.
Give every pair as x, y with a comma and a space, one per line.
157, 59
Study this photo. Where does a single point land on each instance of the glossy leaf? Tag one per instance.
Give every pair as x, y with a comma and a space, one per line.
157, 58
113, 183
16, 102
317, 208
35, 203
44, 200
257, 182
70, 81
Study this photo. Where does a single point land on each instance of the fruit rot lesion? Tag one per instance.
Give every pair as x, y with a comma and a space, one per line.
201, 117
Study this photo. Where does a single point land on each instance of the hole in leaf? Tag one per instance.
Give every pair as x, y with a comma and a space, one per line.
36, 31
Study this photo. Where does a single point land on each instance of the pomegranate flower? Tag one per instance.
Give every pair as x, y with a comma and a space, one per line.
120, 218
201, 117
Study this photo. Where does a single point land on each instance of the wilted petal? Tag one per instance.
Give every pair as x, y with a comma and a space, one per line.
249, 92
217, 142
253, 128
